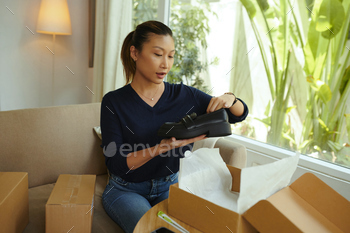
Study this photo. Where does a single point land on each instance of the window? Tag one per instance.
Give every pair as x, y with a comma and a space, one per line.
144, 10
224, 46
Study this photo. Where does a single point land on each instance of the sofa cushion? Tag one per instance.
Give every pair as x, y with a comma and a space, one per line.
39, 195
47, 142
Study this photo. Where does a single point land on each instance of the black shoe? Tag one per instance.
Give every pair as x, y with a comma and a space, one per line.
214, 124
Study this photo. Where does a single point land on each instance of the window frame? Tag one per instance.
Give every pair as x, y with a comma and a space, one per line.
164, 11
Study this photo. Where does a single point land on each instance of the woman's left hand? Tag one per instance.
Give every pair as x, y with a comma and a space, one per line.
223, 101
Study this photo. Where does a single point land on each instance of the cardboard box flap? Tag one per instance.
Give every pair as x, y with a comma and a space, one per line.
266, 218
8, 182
236, 178
185, 206
72, 189
286, 209
324, 199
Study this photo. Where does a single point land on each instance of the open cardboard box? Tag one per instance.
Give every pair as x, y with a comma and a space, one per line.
307, 205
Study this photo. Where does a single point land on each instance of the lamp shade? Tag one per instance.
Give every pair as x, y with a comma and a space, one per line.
54, 18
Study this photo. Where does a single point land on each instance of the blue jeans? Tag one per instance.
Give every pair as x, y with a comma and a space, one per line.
126, 202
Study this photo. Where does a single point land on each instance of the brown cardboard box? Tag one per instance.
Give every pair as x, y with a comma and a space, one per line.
14, 208
70, 205
307, 205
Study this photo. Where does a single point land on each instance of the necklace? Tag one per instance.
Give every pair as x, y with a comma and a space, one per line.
153, 96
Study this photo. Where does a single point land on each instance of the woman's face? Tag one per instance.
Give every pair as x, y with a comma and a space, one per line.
156, 58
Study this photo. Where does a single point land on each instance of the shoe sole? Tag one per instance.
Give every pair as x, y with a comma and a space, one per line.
212, 130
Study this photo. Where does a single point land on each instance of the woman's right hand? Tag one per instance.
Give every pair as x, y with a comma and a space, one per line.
138, 158
171, 143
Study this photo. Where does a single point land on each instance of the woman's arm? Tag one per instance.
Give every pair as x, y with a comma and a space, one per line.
225, 101
138, 158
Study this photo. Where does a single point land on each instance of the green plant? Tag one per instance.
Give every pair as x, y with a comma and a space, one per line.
190, 27
326, 70
277, 64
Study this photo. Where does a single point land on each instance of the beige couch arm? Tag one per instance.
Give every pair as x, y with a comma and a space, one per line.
232, 153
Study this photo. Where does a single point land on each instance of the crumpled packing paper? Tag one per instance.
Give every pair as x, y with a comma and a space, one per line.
204, 173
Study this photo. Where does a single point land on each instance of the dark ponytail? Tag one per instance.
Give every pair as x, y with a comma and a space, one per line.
137, 38
128, 63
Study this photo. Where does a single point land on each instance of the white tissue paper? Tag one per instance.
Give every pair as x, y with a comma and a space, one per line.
260, 182
204, 173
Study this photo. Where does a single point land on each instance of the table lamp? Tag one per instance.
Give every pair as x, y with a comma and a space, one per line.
54, 19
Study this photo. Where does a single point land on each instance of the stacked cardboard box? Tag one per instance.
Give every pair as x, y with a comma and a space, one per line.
14, 209
70, 205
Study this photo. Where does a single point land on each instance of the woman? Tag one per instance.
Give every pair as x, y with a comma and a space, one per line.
142, 166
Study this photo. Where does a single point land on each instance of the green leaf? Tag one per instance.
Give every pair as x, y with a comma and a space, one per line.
316, 44
290, 109
335, 146
313, 34
305, 144
347, 120
345, 80
266, 121
309, 59
324, 92
267, 109
323, 21
280, 48
320, 57
322, 124
263, 4
322, 89
249, 6
289, 138
294, 33
333, 132
330, 19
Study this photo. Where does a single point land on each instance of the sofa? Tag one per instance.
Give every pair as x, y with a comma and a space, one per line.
49, 141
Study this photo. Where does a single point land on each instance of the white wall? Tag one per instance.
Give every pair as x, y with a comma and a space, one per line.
26, 65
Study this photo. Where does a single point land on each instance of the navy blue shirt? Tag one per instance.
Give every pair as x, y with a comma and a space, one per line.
129, 124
